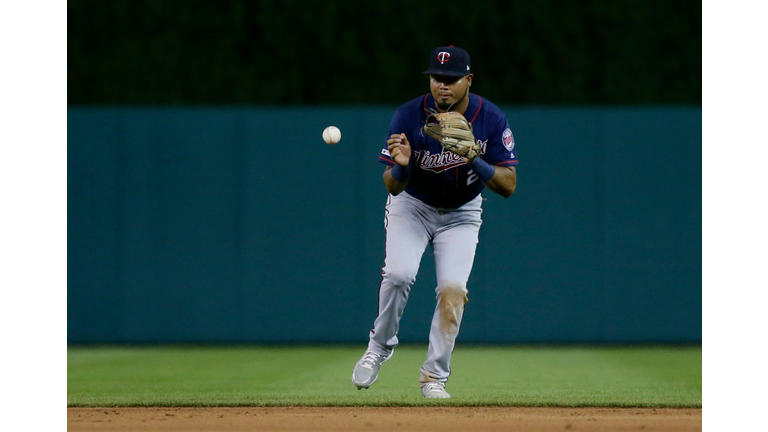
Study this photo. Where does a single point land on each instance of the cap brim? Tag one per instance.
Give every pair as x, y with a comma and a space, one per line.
445, 72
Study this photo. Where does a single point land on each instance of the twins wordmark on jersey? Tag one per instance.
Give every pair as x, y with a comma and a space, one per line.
439, 162
442, 161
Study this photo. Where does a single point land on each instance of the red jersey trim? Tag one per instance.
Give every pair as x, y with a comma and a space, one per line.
505, 163
386, 161
480, 105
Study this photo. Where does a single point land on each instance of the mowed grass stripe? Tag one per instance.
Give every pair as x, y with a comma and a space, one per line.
320, 376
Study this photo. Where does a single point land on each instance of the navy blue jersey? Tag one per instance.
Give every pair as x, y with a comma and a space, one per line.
439, 177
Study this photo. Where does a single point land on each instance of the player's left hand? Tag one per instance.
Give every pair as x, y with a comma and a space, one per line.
454, 133
399, 149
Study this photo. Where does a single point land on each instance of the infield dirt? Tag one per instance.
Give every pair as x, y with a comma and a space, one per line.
373, 419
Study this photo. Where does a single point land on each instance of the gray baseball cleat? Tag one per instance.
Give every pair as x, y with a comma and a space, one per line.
367, 369
434, 390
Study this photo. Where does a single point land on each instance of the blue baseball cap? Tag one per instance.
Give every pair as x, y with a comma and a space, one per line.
450, 61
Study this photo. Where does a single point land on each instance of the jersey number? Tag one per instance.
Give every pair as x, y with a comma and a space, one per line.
471, 177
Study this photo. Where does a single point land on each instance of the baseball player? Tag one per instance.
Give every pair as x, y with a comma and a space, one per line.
434, 199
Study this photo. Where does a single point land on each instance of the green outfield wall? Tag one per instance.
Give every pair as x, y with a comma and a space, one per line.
239, 225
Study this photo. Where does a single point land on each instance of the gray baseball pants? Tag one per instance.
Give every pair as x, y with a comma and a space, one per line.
410, 226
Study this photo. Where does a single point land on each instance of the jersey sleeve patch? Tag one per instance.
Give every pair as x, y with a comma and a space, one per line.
508, 139
385, 158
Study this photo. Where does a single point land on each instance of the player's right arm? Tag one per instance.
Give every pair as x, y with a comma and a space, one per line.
396, 178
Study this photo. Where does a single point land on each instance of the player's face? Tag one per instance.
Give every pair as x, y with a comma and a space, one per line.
450, 92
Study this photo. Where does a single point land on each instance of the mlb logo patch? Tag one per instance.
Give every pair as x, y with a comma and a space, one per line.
508, 139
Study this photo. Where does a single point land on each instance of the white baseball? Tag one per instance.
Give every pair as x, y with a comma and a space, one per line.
331, 135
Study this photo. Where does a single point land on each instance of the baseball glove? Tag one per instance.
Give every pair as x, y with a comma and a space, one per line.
454, 133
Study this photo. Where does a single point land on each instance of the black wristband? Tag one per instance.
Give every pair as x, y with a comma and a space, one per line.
400, 173
483, 169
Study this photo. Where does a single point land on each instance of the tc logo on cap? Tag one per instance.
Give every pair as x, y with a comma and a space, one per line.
443, 57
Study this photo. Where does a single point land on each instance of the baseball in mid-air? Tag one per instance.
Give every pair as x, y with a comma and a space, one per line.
331, 135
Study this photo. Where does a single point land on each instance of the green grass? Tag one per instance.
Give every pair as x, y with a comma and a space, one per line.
320, 376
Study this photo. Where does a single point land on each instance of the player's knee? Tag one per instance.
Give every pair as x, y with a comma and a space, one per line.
452, 295
451, 300
400, 277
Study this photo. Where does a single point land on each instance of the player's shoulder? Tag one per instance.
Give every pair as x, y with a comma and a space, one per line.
410, 114
490, 108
